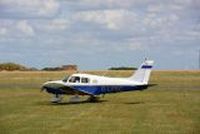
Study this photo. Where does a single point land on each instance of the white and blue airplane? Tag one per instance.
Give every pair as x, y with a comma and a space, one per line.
94, 86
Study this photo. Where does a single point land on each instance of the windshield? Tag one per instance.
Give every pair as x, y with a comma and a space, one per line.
65, 78
74, 79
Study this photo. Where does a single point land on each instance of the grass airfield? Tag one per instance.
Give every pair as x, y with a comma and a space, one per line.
171, 107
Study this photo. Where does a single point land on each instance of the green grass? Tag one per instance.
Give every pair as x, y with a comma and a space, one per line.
171, 107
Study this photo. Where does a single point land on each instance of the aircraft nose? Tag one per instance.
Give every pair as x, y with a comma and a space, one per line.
52, 88
51, 85
45, 86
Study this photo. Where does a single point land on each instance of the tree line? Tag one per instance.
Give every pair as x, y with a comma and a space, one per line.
13, 67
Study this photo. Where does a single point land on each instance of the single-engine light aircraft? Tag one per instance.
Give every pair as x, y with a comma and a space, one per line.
94, 86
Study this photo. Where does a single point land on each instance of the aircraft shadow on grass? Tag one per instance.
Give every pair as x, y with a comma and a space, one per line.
77, 103
88, 102
71, 103
134, 103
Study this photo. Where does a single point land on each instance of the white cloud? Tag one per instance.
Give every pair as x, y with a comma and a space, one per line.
58, 24
194, 34
155, 8
156, 21
110, 3
10, 29
34, 7
112, 19
25, 28
48, 6
3, 31
177, 7
135, 46
187, 35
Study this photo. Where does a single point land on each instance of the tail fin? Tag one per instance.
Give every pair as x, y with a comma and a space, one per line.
143, 73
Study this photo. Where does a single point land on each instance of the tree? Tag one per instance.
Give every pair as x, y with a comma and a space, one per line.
12, 66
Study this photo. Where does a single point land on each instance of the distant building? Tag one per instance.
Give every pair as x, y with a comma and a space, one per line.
70, 67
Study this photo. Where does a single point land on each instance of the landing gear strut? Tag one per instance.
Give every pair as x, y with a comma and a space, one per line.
56, 98
75, 98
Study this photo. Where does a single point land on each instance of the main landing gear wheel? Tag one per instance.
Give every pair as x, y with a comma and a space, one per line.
56, 98
93, 99
75, 99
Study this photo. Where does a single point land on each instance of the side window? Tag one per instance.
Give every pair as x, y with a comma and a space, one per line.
84, 80
74, 79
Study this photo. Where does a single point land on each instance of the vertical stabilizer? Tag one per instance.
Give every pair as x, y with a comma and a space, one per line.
143, 73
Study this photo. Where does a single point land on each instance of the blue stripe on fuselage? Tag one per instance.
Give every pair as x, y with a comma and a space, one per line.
97, 90
146, 67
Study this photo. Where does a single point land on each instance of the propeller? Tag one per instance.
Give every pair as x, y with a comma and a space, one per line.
42, 89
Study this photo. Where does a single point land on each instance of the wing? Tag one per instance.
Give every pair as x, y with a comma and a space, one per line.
68, 90
75, 90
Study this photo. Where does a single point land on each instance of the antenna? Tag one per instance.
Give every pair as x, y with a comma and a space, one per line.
146, 54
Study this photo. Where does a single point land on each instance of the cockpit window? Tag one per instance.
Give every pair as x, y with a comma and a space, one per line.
74, 79
65, 79
84, 80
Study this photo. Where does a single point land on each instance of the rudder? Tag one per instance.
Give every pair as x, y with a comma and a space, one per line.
143, 73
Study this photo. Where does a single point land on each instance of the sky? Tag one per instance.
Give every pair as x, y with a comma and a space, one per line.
98, 34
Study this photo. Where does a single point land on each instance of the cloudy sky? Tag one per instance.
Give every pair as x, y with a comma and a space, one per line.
97, 34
